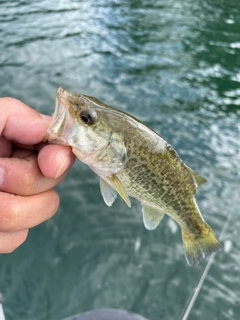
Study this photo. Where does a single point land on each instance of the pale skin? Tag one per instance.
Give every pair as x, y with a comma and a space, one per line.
29, 170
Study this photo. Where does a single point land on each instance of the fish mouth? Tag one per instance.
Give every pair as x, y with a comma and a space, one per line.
61, 123
61, 103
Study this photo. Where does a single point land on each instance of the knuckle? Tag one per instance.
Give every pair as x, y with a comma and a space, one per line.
28, 182
10, 219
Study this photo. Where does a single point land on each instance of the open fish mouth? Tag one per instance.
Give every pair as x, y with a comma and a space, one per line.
62, 122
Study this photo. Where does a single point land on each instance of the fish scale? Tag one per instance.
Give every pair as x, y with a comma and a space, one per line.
133, 160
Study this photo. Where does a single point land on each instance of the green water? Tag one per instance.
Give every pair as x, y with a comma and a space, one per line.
176, 66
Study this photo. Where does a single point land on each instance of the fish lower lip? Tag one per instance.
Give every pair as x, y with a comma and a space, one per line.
57, 125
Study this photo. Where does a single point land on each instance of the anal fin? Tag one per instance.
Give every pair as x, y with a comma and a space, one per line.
152, 216
108, 193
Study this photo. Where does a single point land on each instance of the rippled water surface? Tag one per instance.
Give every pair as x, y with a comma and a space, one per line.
176, 66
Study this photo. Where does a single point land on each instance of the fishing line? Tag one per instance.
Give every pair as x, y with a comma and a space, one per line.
2, 317
199, 285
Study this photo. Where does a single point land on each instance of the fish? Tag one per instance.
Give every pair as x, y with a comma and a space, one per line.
132, 160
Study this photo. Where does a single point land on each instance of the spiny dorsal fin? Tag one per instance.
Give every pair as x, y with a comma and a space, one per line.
108, 193
152, 216
118, 186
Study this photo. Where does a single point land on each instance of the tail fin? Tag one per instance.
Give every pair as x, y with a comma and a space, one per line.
197, 246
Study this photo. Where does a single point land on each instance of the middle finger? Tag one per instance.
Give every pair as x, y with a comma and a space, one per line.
22, 176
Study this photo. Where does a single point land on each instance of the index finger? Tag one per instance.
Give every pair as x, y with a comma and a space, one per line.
19, 123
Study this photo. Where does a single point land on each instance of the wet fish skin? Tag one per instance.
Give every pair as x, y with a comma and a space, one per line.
133, 160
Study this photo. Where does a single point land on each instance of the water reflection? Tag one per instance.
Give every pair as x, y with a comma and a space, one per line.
174, 65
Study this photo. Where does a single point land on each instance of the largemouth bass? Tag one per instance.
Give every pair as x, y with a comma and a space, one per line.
133, 160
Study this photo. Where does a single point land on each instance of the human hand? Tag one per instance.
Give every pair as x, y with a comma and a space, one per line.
29, 170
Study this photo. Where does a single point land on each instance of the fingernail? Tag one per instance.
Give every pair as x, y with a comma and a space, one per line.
45, 117
59, 173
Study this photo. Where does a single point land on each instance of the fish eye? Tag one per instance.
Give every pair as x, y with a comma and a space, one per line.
88, 117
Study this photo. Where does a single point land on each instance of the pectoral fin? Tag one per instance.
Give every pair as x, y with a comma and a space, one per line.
118, 186
152, 216
108, 193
